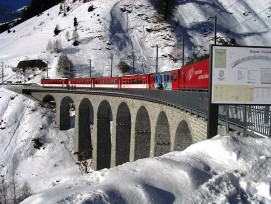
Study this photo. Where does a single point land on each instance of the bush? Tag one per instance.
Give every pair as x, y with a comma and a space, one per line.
56, 31
64, 65
90, 8
37, 143
123, 67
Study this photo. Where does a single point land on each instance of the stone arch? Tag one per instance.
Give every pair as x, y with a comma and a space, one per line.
162, 135
67, 116
142, 134
86, 118
123, 134
104, 116
183, 137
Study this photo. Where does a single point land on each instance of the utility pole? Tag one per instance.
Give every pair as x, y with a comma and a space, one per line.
47, 70
69, 69
212, 108
133, 62
111, 72
2, 73
156, 59
183, 51
215, 20
89, 68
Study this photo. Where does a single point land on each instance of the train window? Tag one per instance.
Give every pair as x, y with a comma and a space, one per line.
166, 77
158, 78
174, 77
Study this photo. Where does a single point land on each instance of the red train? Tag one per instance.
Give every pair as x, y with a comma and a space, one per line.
194, 76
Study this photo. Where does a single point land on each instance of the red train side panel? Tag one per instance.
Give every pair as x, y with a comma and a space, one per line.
106, 83
57, 83
80, 82
195, 76
135, 82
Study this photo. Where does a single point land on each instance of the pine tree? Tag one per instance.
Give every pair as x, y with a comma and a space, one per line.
67, 35
75, 23
64, 65
75, 36
49, 46
57, 46
56, 31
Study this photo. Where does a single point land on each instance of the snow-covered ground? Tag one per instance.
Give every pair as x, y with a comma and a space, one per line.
219, 170
115, 29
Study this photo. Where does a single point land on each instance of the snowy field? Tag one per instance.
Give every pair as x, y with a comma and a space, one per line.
219, 170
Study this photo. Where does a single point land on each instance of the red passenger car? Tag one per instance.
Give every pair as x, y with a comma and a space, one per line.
195, 76
106, 83
80, 82
55, 83
135, 82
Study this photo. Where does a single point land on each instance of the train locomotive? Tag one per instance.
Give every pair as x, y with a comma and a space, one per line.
193, 76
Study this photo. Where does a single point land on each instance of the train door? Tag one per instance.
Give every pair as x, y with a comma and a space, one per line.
158, 80
182, 78
167, 81
151, 82
174, 75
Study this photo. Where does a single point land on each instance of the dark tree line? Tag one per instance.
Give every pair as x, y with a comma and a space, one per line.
166, 8
38, 6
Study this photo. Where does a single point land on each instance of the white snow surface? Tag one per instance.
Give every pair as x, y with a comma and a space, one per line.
118, 28
219, 170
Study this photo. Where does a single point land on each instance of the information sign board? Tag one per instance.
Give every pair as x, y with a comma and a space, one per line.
241, 75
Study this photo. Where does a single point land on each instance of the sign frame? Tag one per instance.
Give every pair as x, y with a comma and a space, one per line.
248, 83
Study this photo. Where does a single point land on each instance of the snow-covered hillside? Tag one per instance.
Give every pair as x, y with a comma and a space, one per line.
219, 170
117, 29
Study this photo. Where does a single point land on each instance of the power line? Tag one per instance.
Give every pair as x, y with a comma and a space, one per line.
263, 27
250, 18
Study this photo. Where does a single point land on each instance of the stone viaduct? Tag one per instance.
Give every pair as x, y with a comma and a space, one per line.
113, 130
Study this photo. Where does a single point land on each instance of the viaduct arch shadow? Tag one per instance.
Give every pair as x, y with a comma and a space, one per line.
86, 118
162, 135
123, 134
142, 134
104, 117
67, 116
183, 138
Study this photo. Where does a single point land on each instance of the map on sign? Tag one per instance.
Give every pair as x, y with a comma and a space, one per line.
241, 75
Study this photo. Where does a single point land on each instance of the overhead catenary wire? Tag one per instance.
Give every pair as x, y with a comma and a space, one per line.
245, 20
